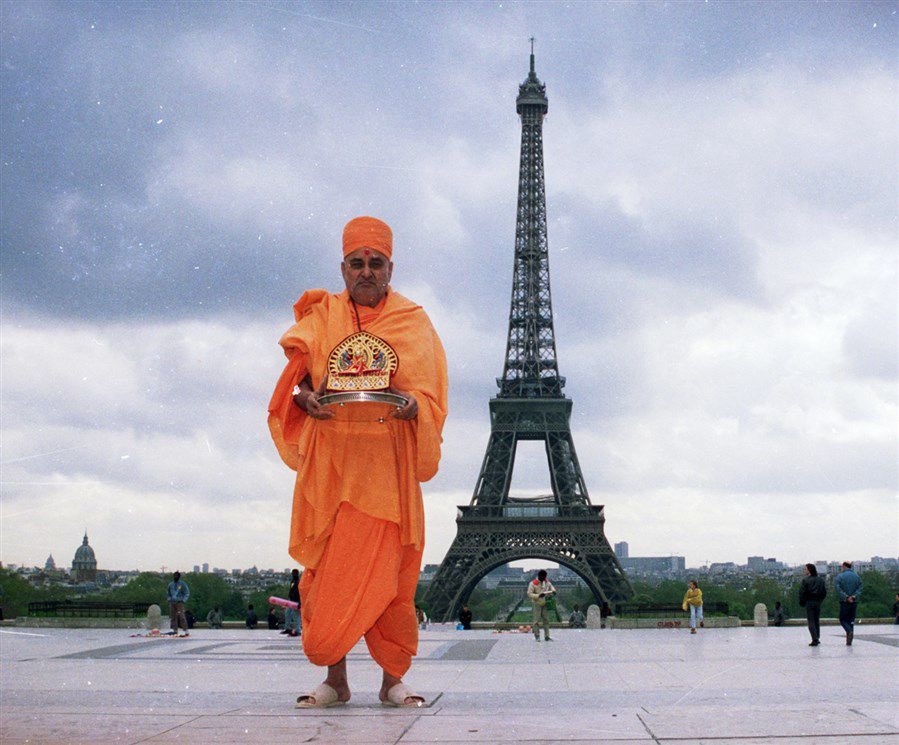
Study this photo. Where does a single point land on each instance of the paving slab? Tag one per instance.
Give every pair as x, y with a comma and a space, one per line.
733, 686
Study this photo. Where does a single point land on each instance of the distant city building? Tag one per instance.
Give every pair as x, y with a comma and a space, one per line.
641, 565
504, 575
621, 550
205, 568
84, 565
196, 568
761, 564
50, 565
722, 566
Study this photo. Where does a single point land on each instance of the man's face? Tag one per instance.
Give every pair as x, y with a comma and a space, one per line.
366, 273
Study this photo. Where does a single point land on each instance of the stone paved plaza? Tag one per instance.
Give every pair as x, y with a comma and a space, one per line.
730, 686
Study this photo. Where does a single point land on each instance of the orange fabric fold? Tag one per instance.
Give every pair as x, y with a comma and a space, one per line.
364, 585
376, 467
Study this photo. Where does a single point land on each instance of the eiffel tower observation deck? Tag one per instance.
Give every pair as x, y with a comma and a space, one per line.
564, 527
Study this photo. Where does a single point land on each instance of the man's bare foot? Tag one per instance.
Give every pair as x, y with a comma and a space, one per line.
403, 696
387, 683
337, 679
343, 690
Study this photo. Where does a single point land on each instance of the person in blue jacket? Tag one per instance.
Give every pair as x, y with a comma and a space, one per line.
849, 585
178, 593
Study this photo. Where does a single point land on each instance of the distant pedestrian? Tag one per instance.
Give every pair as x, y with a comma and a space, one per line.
272, 619
895, 610
577, 619
604, 612
779, 615
465, 617
422, 619
812, 592
849, 586
539, 590
252, 619
178, 592
214, 618
693, 601
292, 622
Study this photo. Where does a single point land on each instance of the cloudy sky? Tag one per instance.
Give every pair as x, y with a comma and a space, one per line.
721, 190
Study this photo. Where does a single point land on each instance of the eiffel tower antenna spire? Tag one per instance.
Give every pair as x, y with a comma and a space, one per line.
564, 526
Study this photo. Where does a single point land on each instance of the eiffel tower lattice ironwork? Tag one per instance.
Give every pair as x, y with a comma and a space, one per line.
563, 527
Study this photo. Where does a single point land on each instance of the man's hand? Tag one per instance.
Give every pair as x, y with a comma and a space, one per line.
410, 410
307, 399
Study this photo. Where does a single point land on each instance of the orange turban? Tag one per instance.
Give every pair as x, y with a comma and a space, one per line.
367, 232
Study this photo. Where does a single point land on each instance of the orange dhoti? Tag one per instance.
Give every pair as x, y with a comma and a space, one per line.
364, 585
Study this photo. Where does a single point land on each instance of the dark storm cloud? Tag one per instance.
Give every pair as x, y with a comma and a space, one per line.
102, 99
117, 118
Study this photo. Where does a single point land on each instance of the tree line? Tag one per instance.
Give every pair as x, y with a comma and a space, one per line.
741, 596
206, 592
210, 590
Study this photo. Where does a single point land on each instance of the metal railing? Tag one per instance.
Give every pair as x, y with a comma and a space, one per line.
87, 609
640, 610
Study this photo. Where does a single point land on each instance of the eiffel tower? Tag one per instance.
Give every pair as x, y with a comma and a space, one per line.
563, 527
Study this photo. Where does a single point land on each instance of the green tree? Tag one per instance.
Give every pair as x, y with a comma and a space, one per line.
580, 596
15, 594
146, 587
830, 608
234, 607
206, 592
768, 591
878, 595
487, 604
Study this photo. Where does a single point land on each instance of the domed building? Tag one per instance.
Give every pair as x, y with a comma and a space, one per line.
50, 565
84, 565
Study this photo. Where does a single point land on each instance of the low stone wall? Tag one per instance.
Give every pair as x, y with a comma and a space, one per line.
715, 622
503, 626
612, 622
826, 622
39, 622
50, 622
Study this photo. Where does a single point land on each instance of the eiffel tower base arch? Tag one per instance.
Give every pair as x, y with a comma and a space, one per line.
487, 538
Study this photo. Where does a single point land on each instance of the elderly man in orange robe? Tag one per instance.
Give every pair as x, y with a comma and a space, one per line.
358, 521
